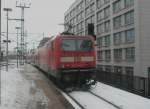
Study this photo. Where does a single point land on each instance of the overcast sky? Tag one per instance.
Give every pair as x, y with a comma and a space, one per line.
42, 16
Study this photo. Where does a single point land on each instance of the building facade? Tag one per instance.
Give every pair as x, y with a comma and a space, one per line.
122, 32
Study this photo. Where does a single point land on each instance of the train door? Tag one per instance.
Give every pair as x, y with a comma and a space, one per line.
149, 81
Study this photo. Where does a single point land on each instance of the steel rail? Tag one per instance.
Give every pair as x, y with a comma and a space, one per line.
58, 89
82, 107
116, 106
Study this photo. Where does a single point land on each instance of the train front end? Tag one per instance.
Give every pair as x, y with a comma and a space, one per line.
77, 60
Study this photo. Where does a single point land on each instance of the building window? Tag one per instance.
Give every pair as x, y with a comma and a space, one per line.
141, 84
108, 69
129, 3
79, 6
74, 29
117, 6
71, 13
129, 18
100, 16
100, 67
107, 26
118, 38
100, 28
117, 22
107, 40
107, 12
92, 8
106, 1
65, 18
74, 20
100, 42
71, 22
74, 12
87, 11
87, 21
118, 54
130, 54
130, 36
87, 2
129, 71
100, 55
100, 3
92, 19
79, 26
80, 16
107, 55
118, 69
82, 25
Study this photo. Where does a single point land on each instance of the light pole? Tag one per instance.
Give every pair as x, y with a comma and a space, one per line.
0, 34
14, 19
7, 11
17, 28
0, 48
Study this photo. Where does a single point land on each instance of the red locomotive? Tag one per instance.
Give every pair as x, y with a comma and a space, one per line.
70, 59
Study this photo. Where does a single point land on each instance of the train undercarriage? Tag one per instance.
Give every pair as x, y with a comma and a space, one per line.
77, 79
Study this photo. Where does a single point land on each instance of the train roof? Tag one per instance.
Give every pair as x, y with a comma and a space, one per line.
69, 36
46, 40
43, 41
76, 36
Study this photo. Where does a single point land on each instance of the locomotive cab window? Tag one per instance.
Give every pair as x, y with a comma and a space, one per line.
76, 45
68, 45
84, 45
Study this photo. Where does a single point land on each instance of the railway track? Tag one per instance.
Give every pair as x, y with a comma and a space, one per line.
59, 89
78, 103
85, 106
116, 106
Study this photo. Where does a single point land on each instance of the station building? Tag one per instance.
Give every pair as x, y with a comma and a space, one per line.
122, 29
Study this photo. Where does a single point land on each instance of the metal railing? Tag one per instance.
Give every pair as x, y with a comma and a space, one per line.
134, 84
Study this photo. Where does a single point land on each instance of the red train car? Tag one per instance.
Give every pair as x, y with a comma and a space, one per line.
69, 59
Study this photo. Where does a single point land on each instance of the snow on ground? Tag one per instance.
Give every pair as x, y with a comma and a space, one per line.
70, 100
16, 90
89, 101
121, 98
17, 93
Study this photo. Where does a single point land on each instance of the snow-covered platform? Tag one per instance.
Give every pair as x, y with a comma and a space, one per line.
123, 99
27, 88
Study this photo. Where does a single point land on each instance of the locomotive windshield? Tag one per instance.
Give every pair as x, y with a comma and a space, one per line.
84, 45
68, 45
76, 45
